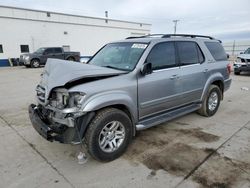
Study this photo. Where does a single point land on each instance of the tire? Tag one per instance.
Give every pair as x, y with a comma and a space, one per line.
35, 63
237, 72
209, 110
101, 125
71, 59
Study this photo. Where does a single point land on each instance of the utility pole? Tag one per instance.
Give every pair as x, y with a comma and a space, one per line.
175, 25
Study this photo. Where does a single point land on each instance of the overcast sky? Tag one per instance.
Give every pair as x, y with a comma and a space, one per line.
225, 19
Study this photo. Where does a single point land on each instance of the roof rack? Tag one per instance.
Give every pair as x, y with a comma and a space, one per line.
186, 35
146, 36
173, 35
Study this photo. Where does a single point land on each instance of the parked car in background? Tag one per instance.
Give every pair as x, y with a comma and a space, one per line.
128, 86
242, 63
85, 59
40, 56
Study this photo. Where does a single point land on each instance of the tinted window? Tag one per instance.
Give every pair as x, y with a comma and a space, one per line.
58, 50
49, 51
24, 48
189, 53
162, 56
216, 50
1, 48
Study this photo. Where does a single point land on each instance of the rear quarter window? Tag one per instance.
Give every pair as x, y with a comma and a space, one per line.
217, 51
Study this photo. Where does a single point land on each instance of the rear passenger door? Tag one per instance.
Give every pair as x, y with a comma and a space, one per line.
160, 90
193, 70
58, 53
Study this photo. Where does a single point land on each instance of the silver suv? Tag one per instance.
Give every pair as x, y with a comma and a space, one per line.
127, 86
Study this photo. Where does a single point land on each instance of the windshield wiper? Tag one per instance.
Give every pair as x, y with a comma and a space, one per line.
109, 66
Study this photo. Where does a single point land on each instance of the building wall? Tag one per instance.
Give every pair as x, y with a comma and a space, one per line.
36, 29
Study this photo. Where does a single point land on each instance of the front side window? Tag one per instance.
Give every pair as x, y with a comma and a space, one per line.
162, 56
217, 51
121, 56
40, 51
24, 48
49, 51
189, 53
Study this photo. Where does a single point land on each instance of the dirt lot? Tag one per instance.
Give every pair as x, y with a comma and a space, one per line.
191, 151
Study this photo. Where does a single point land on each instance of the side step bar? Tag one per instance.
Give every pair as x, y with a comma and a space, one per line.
169, 115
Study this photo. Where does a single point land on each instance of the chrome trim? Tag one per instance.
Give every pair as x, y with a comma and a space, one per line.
160, 70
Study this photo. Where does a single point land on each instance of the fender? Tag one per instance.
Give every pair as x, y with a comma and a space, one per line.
106, 99
214, 77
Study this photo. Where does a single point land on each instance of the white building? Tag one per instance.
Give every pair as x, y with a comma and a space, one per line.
25, 30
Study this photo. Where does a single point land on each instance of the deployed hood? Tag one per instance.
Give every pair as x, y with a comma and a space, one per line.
59, 73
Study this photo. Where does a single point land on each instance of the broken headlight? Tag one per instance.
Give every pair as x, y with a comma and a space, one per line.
77, 98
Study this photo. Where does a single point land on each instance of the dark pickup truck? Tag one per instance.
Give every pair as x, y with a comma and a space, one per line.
40, 56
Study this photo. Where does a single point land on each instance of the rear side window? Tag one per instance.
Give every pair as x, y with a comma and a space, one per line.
217, 51
58, 50
189, 53
162, 56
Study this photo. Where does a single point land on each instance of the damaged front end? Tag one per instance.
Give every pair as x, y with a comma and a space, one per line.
60, 117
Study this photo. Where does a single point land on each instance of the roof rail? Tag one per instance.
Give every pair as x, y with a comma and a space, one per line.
145, 36
186, 35
173, 35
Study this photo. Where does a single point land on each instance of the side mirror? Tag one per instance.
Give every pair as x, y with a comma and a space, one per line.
228, 56
146, 69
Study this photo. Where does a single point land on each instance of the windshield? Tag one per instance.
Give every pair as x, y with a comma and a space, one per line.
121, 56
40, 51
247, 51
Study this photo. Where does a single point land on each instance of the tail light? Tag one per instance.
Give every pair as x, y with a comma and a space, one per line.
228, 68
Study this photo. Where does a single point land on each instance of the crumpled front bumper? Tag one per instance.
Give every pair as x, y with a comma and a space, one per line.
59, 133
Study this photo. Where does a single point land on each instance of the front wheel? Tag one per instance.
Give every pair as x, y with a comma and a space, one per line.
211, 102
109, 134
35, 63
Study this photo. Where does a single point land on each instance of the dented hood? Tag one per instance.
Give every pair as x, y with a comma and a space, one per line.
58, 73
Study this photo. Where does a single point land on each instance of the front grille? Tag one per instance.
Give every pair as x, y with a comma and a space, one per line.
245, 60
40, 92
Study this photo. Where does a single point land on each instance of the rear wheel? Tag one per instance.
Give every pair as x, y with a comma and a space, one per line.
211, 102
109, 134
35, 63
71, 59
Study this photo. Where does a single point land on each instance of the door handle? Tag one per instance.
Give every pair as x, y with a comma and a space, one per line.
173, 77
205, 70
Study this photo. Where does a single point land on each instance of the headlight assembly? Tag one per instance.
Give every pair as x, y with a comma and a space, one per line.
78, 98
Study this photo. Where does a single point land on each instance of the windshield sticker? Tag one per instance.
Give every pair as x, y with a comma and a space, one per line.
137, 45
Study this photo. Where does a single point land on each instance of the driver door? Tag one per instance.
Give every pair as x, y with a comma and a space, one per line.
161, 90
